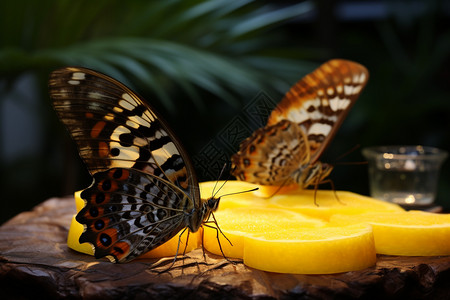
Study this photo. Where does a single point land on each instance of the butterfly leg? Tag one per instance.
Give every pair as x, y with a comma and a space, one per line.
185, 246
220, 245
316, 187
329, 181
218, 230
203, 242
319, 176
317, 181
176, 253
285, 182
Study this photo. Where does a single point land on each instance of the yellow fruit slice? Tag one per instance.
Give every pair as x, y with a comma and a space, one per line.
236, 223
287, 242
323, 250
295, 199
75, 231
169, 248
287, 232
327, 204
412, 233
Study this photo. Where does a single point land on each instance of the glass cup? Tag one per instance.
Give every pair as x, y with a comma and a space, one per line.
406, 175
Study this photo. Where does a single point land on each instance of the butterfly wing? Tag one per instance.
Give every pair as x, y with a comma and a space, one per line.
129, 212
320, 101
144, 187
271, 154
301, 127
114, 128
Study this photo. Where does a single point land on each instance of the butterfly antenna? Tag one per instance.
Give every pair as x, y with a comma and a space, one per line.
218, 190
240, 192
351, 150
217, 181
351, 163
348, 163
214, 193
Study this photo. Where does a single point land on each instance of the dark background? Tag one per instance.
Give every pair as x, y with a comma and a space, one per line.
200, 62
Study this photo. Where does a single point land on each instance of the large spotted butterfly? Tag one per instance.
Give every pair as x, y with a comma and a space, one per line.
145, 189
288, 148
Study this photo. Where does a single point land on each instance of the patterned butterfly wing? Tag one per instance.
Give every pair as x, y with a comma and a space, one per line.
271, 154
145, 189
113, 127
321, 100
299, 129
129, 212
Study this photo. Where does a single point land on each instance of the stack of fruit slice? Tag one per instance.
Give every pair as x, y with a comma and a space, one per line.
289, 232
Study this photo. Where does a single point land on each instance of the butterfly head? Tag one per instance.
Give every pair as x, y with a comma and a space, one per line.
211, 205
198, 216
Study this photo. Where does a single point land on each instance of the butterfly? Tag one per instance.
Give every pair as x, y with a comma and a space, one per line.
144, 188
300, 128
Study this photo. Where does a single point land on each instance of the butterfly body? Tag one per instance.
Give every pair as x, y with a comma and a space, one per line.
299, 129
144, 188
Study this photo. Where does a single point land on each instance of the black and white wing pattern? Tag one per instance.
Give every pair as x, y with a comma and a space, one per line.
145, 189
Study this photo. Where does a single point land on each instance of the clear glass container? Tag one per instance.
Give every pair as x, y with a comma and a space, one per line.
406, 175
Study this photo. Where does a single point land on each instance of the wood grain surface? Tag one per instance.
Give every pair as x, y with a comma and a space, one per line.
35, 263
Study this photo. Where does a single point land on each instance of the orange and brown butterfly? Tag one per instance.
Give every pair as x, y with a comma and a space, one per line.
299, 129
144, 188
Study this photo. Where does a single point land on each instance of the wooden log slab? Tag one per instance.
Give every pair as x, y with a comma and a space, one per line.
36, 263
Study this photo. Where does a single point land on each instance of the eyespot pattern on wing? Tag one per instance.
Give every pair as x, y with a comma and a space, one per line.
145, 189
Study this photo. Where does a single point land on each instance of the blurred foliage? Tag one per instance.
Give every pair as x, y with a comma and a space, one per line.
163, 45
199, 62
184, 56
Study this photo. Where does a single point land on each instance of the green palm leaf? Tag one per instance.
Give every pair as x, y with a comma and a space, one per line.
190, 46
